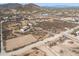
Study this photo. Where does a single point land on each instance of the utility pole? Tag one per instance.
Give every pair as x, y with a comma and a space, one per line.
2, 46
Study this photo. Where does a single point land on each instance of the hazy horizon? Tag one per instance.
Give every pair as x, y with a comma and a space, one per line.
53, 4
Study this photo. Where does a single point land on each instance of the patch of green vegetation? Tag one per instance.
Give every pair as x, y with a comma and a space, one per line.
74, 32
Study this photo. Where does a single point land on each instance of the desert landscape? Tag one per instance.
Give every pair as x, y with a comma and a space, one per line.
35, 30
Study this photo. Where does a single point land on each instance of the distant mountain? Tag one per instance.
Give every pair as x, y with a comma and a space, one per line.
31, 6
10, 5
17, 5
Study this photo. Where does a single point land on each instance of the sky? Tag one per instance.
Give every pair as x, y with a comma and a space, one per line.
45, 2
58, 4
39, 1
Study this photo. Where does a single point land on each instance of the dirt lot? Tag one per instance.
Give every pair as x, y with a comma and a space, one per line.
16, 43
66, 47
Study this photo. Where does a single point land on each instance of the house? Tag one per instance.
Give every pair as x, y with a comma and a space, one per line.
24, 29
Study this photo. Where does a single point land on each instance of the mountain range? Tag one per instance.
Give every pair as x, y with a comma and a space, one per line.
32, 6
17, 5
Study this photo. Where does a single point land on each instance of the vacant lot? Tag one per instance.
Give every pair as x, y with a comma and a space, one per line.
16, 43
